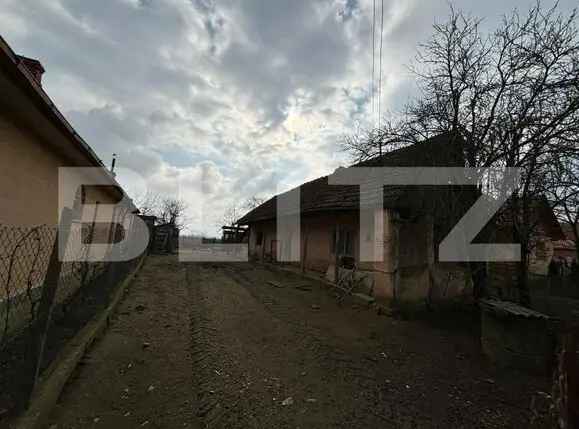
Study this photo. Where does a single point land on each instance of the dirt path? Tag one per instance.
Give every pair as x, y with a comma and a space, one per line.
139, 374
271, 356
220, 345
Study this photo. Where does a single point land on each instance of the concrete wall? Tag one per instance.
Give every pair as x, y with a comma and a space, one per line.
417, 278
29, 178
517, 342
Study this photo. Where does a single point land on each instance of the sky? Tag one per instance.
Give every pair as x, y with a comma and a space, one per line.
216, 101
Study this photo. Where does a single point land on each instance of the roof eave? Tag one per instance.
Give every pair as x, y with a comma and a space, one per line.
45, 104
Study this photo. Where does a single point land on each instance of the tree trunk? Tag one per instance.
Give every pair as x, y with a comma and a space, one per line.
479, 279
523, 276
576, 235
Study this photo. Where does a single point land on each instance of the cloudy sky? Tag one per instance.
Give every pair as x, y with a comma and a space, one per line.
220, 100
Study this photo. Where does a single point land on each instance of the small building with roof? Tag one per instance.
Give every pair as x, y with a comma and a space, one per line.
415, 220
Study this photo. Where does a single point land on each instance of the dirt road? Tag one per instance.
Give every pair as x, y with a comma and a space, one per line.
243, 346
271, 356
140, 373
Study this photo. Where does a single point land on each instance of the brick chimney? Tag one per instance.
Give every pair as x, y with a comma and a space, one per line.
34, 67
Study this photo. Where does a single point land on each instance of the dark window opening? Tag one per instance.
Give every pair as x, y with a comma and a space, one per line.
343, 241
259, 239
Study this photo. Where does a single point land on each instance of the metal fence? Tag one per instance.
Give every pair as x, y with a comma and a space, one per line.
44, 301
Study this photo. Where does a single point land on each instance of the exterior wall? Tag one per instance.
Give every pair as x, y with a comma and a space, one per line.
386, 272
413, 261
29, 178
317, 242
29, 199
566, 253
316, 239
541, 256
407, 272
503, 276
450, 282
258, 251
319, 231
410, 275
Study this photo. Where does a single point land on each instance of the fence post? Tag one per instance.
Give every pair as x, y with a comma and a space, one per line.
90, 238
50, 285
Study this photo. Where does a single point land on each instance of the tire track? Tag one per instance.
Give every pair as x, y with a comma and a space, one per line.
255, 344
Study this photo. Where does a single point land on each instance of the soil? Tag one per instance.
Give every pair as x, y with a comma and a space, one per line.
247, 346
140, 373
19, 358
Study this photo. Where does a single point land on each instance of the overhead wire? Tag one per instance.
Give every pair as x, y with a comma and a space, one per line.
372, 90
380, 79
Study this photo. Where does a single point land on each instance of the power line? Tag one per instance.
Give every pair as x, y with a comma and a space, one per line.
373, 61
380, 80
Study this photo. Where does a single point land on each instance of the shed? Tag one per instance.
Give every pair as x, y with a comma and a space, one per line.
166, 238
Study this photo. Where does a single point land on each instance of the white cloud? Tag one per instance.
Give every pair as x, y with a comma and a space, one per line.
223, 100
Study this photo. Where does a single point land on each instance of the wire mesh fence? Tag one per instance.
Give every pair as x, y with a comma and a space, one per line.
40, 314
24, 255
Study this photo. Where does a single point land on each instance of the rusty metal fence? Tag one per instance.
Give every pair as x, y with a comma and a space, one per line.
44, 301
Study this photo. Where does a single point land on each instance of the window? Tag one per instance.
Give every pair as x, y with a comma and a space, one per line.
342, 242
259, 238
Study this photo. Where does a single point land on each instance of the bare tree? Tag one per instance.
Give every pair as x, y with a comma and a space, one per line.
231, 215
235, 211
365, 144
563, 191
253, 202
148, 203
512, 95
167, 210
172, 210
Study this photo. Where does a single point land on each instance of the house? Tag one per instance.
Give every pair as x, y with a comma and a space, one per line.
504, 276
565, 249
415, 220
35, 140
330, 237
